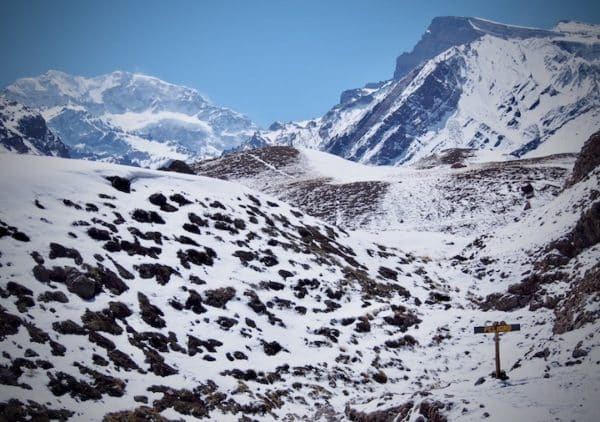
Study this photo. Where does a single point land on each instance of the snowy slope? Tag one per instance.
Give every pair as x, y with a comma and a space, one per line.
131, 118
453, 195
25, 132
197, 297
507, 92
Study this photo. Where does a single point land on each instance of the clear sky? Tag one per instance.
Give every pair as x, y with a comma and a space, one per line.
271, 60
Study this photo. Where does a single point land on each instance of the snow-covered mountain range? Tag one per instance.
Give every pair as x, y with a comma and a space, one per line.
504, 91
161, 296
24, 131
130, 118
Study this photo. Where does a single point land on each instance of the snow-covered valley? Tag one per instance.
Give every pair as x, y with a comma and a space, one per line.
174, 296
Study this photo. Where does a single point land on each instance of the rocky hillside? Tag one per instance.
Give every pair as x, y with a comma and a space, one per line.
505, 91
130, 118
448, 193
25, 132
164, 296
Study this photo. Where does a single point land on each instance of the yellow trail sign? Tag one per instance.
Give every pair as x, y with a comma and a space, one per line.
500, 328
497, 328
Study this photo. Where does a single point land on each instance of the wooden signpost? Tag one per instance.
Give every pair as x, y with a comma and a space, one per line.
497, 328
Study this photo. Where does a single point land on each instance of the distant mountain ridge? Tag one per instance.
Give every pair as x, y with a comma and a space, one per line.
24, 131
130, 118
504, 91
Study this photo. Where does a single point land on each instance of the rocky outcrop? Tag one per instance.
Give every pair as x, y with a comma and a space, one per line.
588, 159
25, 131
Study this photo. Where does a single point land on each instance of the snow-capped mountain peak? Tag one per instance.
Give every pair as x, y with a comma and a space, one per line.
504, 91
130, 117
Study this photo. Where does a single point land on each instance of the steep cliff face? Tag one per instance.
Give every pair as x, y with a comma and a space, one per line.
25, 132
506, 92
449, 31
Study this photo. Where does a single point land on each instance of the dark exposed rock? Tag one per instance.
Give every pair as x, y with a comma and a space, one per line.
402, 318
432, 410
119, 310
41, 273
271, 348
197, 220
121, 360
388, 273
142, 413
15, 410
363, 325
149, 235
245, 256
405, 341
196, 257
101, 321
572, 312
71, 204
9, 375
380, 377
225, 322
178, 166
194, 302
121, 270
269, 261
157, 364
120, 183
387, 415
59, 251
186, 240
107, 279
141, 399
53, 296
144, 216
192, 228
36, 335
17, 289
218, 298
588, 159
68, 327
62, 383
132, 248
57, 349
285, 274
105, 384
37, 257
151, 314
20, 236
180, 199
99, 360
160, 200
157, 199
100, 340
81, 284
98, 234
162, 273
586, 233
527, 190
195, 345
183, 401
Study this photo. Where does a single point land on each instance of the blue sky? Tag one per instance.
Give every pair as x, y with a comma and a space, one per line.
272, 60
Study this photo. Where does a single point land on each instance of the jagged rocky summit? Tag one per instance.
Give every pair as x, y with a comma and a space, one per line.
504, 91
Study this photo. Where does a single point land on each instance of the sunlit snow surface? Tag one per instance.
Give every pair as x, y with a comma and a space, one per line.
447, 370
